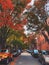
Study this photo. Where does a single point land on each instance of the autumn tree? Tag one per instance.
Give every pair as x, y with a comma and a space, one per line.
8, 20
43, 15
36, 17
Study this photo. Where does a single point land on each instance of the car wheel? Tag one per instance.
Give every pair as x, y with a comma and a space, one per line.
7, 61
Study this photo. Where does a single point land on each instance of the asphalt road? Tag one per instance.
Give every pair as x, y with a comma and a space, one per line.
26, 59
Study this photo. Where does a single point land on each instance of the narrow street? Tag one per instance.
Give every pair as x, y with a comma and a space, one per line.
26, 59
24, 32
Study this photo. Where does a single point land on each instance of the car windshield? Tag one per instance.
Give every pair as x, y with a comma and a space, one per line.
44, 52
35, 51
6, 51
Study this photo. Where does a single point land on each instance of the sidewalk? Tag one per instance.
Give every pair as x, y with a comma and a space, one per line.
13, 62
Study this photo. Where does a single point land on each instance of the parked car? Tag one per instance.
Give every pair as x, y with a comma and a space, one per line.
15, 53
44, 57
48, 51
5, 56
35, 53
19, 51
29, 51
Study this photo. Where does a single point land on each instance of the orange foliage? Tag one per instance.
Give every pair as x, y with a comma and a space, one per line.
7, 20
6, 4
24, 21
28, 1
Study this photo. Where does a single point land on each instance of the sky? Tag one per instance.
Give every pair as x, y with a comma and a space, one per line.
26, 31
47, 7
29, 4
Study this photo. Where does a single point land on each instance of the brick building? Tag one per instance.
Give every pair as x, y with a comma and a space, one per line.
42, 44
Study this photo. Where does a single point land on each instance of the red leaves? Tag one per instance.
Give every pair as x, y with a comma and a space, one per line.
18, 27
9, 4
24, 21
27, 1
15, 27
6, 18
6, 4
1, 24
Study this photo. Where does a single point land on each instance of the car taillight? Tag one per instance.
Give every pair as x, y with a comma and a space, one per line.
4, 56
